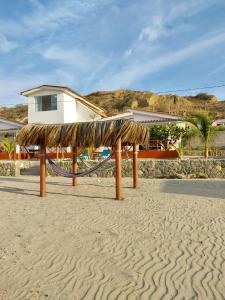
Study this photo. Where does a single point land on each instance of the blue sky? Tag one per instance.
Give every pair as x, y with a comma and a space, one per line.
91, 45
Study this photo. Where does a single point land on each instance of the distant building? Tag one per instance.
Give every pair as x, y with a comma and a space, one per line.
8, 127
219, 122
52, 104
146, 117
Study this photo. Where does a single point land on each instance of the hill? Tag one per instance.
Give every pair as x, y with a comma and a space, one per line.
120, 100
17, 113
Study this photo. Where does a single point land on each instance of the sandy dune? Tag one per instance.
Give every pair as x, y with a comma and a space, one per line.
165, 241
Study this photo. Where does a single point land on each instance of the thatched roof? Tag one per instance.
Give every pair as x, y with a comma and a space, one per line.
85, 134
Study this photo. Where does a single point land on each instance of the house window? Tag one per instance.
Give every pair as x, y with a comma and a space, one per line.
46, 103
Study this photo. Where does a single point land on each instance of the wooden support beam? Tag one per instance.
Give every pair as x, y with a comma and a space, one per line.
118, 174
14, 147
43, 171
135, 166
74, 165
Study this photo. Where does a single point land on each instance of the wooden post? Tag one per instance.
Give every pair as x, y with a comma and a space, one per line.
118, 163
57, 153
74, 165
14, 145
42, 170
135, 166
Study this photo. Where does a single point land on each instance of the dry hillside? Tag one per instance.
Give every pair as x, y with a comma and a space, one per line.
17, 113
120, 100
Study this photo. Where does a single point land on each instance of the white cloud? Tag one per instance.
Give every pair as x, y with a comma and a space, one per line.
58, 13
6, 45
217, 70
154, 31
77, 58
132, 72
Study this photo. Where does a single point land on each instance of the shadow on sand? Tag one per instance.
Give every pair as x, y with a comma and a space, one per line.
210, 188
36, 193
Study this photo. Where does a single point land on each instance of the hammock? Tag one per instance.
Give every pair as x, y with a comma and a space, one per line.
63, 173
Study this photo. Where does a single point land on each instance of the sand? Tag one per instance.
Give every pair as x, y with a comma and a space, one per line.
165, 241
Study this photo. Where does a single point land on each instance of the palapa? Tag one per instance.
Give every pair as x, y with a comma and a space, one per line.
84, 134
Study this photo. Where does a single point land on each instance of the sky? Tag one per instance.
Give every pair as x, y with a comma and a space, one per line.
90, 45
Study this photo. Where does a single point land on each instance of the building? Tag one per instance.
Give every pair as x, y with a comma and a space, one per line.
219, 122
153, 118
9, 128
52, 104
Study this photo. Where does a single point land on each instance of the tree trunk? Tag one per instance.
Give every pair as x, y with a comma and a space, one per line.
206, 149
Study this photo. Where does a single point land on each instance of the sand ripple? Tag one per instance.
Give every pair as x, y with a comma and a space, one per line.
165, 241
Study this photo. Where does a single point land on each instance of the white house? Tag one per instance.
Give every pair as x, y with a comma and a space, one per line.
52, 104
146, 117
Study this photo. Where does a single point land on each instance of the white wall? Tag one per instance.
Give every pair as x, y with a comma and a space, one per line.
85, 114
46, 117
69, 109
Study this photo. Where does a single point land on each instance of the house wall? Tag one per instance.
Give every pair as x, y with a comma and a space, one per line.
85, 114
46, 117
69, 109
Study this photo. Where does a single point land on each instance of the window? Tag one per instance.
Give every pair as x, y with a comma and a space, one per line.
46, 103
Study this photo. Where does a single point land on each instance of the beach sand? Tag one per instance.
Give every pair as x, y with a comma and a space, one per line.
166, 240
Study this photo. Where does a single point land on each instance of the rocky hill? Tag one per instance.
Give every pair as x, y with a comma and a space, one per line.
120, 100
17, 113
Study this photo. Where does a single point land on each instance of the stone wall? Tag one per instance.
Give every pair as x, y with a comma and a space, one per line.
185, 168
8, 168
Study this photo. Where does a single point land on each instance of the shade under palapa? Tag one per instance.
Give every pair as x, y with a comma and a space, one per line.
83, 134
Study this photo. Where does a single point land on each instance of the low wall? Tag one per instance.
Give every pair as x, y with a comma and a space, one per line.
185, 168
9, 168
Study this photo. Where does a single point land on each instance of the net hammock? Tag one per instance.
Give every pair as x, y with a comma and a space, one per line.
61, 172
58, 170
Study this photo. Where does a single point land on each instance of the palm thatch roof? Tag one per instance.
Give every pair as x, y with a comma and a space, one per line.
83, 134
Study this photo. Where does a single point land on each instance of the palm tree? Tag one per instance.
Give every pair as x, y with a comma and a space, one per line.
8, 146
204, 123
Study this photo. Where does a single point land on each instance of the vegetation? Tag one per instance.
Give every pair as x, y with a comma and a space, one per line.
167, 131
204, 123
171, 133
7, 146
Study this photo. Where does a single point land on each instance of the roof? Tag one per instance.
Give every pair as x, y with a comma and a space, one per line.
159, 117
161, 121
153, 113
68, 91
20, 124
84, 134
9, 131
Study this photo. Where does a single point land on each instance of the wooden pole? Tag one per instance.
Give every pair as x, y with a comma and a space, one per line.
42, 170
57, 153
135, 166
74, 165
14, 147
118, 163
